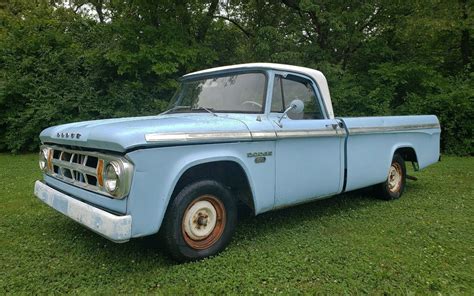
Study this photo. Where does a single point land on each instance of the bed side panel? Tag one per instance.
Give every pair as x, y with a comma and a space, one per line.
372, 141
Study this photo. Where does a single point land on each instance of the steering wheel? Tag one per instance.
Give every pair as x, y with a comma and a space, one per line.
252, 103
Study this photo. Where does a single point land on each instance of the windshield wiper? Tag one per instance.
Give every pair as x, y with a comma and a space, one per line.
189, 107
205, 109
173, 109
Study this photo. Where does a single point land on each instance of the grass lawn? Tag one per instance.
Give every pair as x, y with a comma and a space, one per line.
422, 244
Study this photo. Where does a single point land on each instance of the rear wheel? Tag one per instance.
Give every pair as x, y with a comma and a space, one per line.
394, 186
200, 221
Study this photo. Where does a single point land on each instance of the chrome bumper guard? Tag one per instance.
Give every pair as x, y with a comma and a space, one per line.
115, 228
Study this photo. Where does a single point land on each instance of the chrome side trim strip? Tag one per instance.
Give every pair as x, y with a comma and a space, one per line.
198, 137
386, 129
242, 136
279, 134
311, 133
264, 135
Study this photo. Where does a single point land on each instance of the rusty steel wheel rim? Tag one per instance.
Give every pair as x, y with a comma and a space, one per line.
395, 175
203, 222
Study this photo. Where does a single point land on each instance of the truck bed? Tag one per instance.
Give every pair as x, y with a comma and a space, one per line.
372, 141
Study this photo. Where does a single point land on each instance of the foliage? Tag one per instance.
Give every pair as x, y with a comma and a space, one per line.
63, 61
349, 244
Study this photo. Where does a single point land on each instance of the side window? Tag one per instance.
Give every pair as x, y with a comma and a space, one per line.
291, 87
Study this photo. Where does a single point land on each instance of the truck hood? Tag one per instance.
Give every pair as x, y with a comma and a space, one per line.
122, 134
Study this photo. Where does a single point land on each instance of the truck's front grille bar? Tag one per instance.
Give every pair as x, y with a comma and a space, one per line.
75, 166
85, 169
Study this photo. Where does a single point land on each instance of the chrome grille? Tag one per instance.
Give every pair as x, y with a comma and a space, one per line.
75, 166
85, 169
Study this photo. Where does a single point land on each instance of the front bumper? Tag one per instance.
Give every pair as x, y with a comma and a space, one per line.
115, 228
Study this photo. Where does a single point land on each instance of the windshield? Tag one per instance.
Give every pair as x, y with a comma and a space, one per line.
240, 93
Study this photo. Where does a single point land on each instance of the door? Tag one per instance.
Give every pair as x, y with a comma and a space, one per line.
309, 146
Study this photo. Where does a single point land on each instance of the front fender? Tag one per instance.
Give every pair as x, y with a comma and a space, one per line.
158, 170
198, 159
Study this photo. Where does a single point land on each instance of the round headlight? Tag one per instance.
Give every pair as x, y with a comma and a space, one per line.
43, 159
112, 177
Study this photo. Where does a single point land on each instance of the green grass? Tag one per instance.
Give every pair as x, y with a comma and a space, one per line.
422, 244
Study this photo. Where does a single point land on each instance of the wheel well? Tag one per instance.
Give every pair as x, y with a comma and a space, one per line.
229, 173
408, 154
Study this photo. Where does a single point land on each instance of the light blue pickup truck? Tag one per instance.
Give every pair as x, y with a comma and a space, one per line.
260, 134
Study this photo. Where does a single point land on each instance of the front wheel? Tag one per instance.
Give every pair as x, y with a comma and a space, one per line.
200, 221
394, 186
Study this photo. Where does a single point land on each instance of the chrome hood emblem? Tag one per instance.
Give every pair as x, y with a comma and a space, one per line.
69, 135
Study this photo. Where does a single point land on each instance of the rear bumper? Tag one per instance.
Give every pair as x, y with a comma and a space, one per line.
113, 227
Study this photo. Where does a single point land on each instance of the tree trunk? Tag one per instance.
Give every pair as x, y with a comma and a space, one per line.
465, 38
206, 22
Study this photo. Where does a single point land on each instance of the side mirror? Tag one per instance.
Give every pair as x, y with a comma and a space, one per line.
296, 107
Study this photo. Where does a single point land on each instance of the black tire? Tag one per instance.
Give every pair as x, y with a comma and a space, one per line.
184, 234
394, 186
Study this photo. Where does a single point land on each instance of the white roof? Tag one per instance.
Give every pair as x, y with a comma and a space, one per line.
314, 74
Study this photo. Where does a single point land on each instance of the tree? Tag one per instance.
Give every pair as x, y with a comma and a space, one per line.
64, 61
